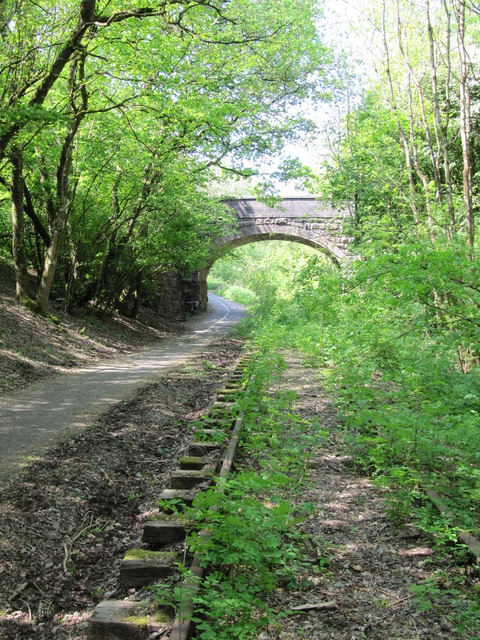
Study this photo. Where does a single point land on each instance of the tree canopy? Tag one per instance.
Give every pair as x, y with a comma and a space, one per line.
405, 156
113, 116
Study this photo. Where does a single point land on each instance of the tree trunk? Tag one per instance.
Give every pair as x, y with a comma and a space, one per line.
401, 131
63, 182
23, 293
465, 124
441, 123
404, 52
49, 267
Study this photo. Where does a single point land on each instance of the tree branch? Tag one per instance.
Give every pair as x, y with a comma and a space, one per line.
37, 223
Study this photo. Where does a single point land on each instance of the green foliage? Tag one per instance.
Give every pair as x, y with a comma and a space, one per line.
237, 518
249, 541
367, 171
231, 291
434, 593
242, 273
155, 108
396, 339
248, 551
395, 155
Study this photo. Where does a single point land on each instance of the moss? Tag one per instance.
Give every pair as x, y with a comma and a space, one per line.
192, 460
220, 411
139, 621
146, 554
145, 620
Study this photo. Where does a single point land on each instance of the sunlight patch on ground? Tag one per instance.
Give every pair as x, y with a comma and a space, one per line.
337, 506
334, 524
416, 551
328, 457
72, 619
19, 617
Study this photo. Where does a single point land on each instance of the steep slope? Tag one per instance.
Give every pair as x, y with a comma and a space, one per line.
32, 347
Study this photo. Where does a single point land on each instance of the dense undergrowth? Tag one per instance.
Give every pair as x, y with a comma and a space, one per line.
395, 339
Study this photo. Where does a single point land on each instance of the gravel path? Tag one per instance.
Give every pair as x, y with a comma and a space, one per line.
35, 416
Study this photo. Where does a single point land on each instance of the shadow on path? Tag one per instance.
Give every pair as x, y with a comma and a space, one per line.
34, 416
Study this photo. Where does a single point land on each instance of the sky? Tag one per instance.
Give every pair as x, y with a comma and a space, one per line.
338, 33
312, 151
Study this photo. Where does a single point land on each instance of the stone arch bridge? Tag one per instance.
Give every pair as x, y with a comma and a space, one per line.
303, 220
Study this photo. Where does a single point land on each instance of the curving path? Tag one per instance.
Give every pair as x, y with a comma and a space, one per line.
35, 416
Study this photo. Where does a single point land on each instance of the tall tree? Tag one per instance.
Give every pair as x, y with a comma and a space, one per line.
203, 84
426, 83
465, 120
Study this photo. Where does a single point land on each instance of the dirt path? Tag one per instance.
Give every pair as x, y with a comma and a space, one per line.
35, 416
362, 560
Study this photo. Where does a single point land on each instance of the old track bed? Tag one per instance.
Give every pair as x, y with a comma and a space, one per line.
357, 572
210, 453
70, 518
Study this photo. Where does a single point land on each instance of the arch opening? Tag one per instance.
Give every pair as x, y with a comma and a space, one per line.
260, 233
232, 270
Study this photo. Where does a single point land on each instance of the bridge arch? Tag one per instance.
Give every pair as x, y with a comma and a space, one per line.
258, 233
303, 220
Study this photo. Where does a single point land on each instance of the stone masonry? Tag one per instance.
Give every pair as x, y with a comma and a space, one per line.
302, 220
